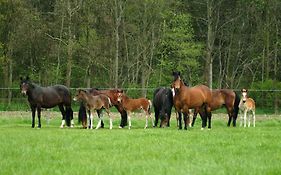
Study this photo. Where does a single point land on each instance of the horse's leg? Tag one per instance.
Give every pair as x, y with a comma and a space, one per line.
100, 120
254, 118
91, 119
39, 116
110, 119
129, 118
179, 119
230, 114
33, 109
245, 117
185, 119
99, 112
194, 117
63, 113
156, 117
209, 120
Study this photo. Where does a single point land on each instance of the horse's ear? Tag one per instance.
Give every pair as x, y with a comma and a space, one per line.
27, 78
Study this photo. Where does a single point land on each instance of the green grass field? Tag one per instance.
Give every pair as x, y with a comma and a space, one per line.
222, 150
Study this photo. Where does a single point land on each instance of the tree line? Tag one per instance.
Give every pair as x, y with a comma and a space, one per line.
138, 43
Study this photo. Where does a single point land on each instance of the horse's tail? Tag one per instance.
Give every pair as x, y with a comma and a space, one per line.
149, 107
236, 106
68, 116
82, 113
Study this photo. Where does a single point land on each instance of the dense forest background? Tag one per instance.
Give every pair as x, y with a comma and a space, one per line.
138, 43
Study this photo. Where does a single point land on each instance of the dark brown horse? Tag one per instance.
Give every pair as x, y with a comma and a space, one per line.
113, 95
48, 97
223, 97
130, 105
192, 98
93, 103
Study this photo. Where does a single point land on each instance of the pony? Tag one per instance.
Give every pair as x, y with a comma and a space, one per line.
186, 98
92, 103
113, 95
48, 97
223, 97
130, 105
247, 105
162, 103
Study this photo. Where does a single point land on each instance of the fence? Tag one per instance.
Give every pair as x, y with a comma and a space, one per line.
267, 101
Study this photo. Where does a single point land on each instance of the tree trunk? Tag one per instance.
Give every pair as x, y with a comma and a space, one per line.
210, 44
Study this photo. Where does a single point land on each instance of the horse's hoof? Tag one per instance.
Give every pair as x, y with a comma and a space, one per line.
61, 127
185, 128
202, 129
120, 127
71, 126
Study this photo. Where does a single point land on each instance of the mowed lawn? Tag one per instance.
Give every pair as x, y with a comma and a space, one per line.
221, 150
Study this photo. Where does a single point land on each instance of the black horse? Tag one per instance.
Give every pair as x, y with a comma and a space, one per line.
48, 97
163, 103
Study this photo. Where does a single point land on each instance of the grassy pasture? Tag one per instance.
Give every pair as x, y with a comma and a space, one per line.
222, 150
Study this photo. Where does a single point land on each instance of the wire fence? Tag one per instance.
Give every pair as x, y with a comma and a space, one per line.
267, 101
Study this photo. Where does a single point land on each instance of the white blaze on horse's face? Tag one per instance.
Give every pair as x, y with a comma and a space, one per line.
24, 88
119, 97
244, 95
75, 99
173, 92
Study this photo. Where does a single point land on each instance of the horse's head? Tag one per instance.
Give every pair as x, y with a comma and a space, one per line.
244, 94
25, 85
119, 96
80, 94
176, 85
164, 118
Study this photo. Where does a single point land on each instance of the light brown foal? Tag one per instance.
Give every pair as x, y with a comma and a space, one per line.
130, 105
246, 105
93, 103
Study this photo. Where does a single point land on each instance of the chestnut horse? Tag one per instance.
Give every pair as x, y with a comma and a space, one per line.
130, 105
186, 98
48, 97
113, 95
223, 97
247, 104
92, 103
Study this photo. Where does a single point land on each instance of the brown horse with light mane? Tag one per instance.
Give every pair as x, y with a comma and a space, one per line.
93, 103
130, 105
191, 98
223, 97
247, 104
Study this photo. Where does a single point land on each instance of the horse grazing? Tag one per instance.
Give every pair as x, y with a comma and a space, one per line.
113, 95
92, 103
48, 97
163, 103
186, 98
223, 97
130, 105
246, 105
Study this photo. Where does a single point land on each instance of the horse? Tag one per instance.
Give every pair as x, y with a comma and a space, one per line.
246, 105
113, 95
92, 103
130, 105
48, 97
162, 103
186, 98
223, 97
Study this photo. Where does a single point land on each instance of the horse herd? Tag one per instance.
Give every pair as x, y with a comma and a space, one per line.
180, 96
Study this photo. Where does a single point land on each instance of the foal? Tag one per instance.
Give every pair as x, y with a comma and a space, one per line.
247, 104
94, 103
130, 105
